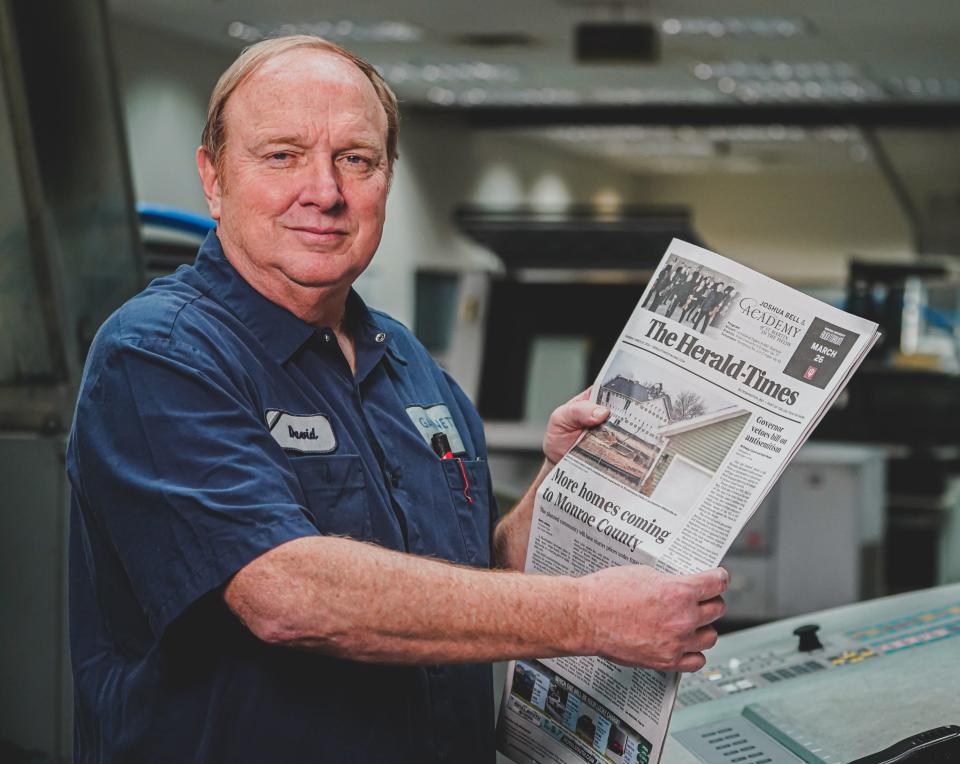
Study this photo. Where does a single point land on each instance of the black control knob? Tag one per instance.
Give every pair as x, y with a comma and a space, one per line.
808, 637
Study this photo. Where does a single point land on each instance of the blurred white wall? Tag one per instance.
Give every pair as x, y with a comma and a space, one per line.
165, 82
797, 226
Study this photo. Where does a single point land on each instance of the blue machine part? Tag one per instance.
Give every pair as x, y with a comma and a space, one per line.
174, 219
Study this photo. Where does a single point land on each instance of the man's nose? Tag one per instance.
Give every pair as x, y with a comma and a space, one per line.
321, 185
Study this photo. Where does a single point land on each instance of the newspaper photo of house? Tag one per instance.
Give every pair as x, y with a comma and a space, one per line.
692, 452
628, 443
664, 438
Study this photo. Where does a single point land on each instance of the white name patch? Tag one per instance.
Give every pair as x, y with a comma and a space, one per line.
305, 434
433, 419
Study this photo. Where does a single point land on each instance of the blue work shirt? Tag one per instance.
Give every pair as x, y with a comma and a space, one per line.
212, 426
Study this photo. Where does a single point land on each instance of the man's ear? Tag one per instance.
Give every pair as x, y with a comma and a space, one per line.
211, 182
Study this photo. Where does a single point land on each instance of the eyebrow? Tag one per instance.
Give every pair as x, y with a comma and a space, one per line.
300, 141
360, 143
291, 140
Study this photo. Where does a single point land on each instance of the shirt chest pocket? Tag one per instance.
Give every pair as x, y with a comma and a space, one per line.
335, 492
469, 483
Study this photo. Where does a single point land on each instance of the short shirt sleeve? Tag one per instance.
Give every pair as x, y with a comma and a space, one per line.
175, 467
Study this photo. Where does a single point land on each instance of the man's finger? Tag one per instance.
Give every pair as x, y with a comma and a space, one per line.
579, 415
704, 638
709, 583
711, 610
691, 662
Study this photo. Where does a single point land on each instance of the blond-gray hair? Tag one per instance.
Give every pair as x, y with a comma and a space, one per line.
253, 57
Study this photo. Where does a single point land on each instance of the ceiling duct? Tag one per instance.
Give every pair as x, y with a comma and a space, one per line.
633, 238
636, 42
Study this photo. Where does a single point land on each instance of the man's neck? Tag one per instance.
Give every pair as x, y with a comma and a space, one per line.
319, 306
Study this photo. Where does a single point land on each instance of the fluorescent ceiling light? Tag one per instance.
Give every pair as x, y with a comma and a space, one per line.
925, 87
441, 72
343, 30
741, 134
477, 96
747, 26
795, 81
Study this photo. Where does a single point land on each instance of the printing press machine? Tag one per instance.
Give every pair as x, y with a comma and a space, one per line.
835, 686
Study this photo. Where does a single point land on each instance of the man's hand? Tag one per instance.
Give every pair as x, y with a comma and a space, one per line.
567, 422
565, 425
639, 616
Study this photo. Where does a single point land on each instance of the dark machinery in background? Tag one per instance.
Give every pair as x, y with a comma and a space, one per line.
171, 237
578, 238
68, 232
70, 255
878, 291
904, 399
572, 273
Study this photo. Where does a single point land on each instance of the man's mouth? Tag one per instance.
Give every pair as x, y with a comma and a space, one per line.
318, 230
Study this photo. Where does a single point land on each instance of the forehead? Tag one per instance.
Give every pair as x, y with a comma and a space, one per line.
300, 88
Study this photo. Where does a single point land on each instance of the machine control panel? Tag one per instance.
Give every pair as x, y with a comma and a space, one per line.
848, 648
883, 679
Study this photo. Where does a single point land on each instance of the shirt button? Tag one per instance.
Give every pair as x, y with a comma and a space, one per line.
327, 336
380, 337
395, 478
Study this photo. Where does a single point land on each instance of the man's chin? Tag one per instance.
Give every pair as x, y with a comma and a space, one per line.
323, 279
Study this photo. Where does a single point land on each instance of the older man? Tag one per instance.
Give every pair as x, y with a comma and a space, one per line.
270, 563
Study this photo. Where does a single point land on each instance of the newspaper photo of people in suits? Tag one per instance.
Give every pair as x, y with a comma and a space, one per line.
691, 294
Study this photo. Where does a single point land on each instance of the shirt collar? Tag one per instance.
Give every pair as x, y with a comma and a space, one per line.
280, 332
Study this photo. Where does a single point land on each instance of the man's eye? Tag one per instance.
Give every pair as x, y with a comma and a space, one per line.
281, 156
356, 160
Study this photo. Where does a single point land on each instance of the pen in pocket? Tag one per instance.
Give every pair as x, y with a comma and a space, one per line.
441, 447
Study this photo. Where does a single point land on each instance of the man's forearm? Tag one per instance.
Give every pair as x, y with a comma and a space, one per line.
362, 602
512, 533
566, 424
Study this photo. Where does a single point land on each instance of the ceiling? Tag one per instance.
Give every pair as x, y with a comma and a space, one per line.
521, 52
739, 85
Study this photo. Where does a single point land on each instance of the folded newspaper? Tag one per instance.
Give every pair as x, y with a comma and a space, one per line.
718, 378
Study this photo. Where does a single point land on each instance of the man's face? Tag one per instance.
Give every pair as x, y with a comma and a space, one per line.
300, 196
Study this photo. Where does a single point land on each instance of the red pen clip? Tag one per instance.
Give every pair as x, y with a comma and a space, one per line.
466, 481
441, 447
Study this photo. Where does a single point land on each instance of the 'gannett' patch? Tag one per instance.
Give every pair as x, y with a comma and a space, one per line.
305, 434
432, 419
